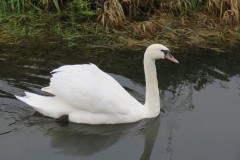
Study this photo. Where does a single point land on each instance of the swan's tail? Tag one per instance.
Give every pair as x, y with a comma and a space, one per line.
48, 106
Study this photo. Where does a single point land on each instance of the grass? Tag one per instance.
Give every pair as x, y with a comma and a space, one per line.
111, 14
228, 11
114, 13
52, 19
127, 22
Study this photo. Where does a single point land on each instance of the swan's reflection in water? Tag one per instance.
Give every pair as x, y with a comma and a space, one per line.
81, 140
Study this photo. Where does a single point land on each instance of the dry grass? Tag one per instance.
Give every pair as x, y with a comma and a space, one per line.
131, 6
179, 22
181, 7
19, 6
111, 14
228, 11
145, 28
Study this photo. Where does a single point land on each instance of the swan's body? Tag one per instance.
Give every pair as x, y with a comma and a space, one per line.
88, 95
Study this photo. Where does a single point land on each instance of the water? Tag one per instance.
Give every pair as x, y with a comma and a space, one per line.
199, 118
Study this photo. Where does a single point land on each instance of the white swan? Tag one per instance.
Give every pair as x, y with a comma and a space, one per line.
88, 95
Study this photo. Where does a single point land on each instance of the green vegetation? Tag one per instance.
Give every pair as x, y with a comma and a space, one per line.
128, 23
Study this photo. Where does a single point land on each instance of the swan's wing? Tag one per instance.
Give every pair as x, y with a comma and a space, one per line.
88, 88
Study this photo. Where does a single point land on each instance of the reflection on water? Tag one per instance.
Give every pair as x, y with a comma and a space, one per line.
199, 99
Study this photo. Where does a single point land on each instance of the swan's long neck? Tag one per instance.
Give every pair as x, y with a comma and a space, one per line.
152, 102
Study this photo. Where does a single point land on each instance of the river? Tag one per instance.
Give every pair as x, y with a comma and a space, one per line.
200, 107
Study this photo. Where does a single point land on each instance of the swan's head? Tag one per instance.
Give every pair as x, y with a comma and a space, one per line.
159, 51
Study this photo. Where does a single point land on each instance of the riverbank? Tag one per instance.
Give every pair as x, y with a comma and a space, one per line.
196, 29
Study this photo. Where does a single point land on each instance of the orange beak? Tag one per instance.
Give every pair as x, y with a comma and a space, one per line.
171, 58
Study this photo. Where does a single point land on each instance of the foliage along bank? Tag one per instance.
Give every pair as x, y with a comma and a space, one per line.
123, 23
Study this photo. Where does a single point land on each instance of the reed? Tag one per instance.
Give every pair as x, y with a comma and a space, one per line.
115, 12
27, 18
181, 7
7, 6
22, 6
111, 14
228, 11
141, 19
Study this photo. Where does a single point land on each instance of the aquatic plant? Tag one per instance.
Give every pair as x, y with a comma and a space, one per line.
23, 6
145, 28
111, 14
135, 22
227, 10
12, 6
115, 12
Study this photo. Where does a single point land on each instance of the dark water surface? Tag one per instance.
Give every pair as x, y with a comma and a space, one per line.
199, 120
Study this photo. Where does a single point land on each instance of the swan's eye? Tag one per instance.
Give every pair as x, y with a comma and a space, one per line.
165, 51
